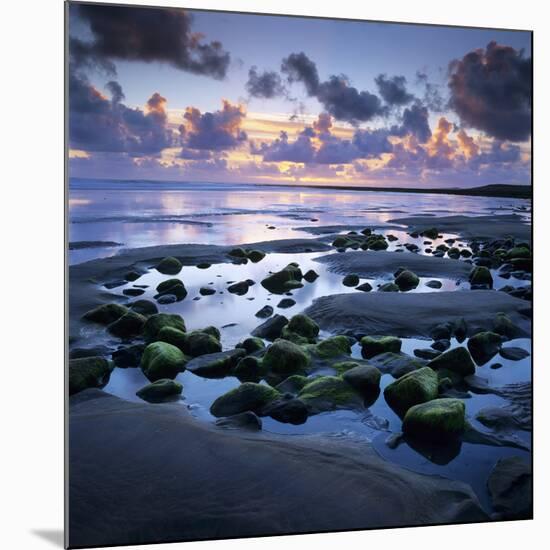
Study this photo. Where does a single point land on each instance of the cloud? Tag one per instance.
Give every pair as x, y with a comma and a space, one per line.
216, 131
433, 99
265, 85
467, 144
299, 68
414, 121
393, 90
372, 143
282, 150
491, 91
146, 34
97, 123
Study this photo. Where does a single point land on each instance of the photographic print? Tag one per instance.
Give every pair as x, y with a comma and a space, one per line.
299, 282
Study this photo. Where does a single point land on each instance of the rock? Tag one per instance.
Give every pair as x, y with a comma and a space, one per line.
265, 312
431, 233
496, 366
292, 285
484, 346
285, 303
169, 266
251, 345
106, 314
388, 287
133, 291
246, 397
332, 347
249, 369
276, 281
200, 343
460, 330
129, 325
371, 346
165, 299
434, 283
243, 421
412, 389
237, 253
480, 277
351, 280
203, 265
505, 327
129, 356
310, 276
453, 253
442, 331
144, 307
173, 287
365, 287
256, 256
426, 353
514, 353
465, 253
288, 411
132, 276
456, 360
396, 364
284, 357
304, 326
156, 322
160, 390
363, 378
271, 329
441, 345
240, 288
436, 420
327, 393
88, 372
215, 365
407, 280
162, 360
510, 486
173, 336
293, 384
377, 243
518, 252
206, 291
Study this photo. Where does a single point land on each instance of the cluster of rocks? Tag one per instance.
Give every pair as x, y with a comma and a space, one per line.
243, 255
365, 240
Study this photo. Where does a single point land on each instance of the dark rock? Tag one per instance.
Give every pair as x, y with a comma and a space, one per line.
388, 287
173, 287
240, 288
162, 360
144, 307
106, 314
206, 291
276, 281
95, 351
441, 345
434, 284
365, 287
88, 372
293, 384
156, 322
350, 280
165, 299
460, 330
456, 360
514, 353
169, 266
251, 345
272, 328
426, 353
129, 325
435, 420
133, 291
288, 411
286, 303
396, 364
249, 369
480, 277
326, 393
484, 346
200, 343
160, 390
129, 356
411, 389
310, 276
304, 326
215, 365
363, 378
265, 312
243, 421
246, 397
371, 346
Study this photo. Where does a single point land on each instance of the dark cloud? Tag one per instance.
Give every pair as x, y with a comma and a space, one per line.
299, 68
215, 131
97, 123
282, 150
491, 91
372, 143
414, 121
146, 34
433, 99
393, 90
264, 85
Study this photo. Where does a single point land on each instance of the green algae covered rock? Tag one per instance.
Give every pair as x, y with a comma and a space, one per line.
162, 360
411, 389
88, 372
106, 314
435, 420
276, 281
285, 357
246, 397
156, 322
327, 393
335, 346
374, 345
407, 280
457, 360
169, 266
481, 276
252, 344
484, 346
160, 390
200, 343
363, 378
304, 326
129, 325
249, 369
173, 336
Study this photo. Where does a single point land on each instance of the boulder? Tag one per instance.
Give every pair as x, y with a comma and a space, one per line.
156, 322
388, 287
407, 280
365, 287
460, 329
255, 256
327, 393
363, 378
249, 369
160, 390
480, 277
287, 410
237, 253
284, 357
351, 280
173, 336
484, 346
169, 266
206, 291
144, 307
434, 283
304, 326
431, 233
129, 356
265, 312
275, 282
332, 347
246, 397
513, 353
504, 326
374, 345
271, 329
242, 421
456, 360
437, 420
200, 343
173, 287
240, 288
293, 384
133, 291
106, 314
215, 365
252, 344
396, 364
441, 345
285, 303
88, 372
310, 276
129, 325
162, 360
426, 353
412, 389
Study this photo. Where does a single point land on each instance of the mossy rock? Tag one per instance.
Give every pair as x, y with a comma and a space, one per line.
374, 345
144, 307
293, 384
388, 287
252, 344
327, 393
343, 366
481, 276
160, 390
460, 329
518, 252
285, 357
436, 420
169, 266
276, 281
363, 378
484, 346
249, 369
304, 326
411, 389
342, 242
246, 397
88, 372
293, 337
156, 322
106, 314
453, 253
172, 286
256, 256
173, 336
203, 265
407, 280
162, 360
237, 253
129, 325
504, 326
240, 288
457, 360
200, 343
396, 364
213, 331
332, 347
215, 365
351, 280
271, 328
431, 233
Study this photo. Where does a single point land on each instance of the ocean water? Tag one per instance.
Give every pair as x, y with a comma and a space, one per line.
146, 214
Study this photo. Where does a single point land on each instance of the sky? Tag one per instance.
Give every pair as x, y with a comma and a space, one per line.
175, 95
